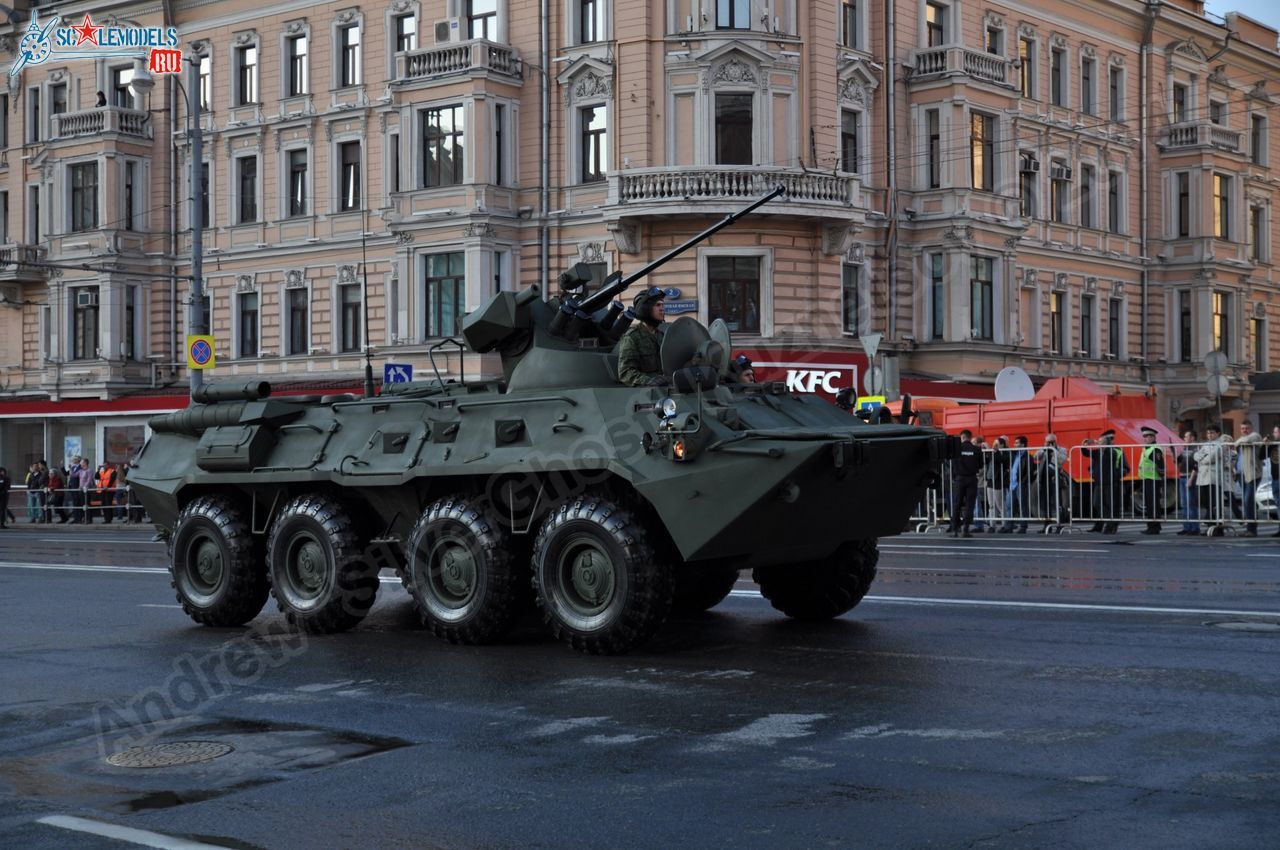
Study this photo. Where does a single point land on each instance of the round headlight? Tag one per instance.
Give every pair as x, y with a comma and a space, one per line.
666, 409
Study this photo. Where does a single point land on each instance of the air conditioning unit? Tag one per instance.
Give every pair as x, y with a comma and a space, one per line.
449, 31
1060, 172
86, 298
1030, 165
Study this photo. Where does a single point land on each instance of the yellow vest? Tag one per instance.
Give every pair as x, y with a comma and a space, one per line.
1147, 465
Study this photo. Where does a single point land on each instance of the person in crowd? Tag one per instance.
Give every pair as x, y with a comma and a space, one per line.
122, 493
1187, 484
106, 491
964, 480
1049, 461
1151, 476
1109, 469
72, 499
1273, 461
980, 500
33, 494
55, 491
997, 484
36, 485
1212, 464
102, 98
5, 485
1249, 469
1018, 503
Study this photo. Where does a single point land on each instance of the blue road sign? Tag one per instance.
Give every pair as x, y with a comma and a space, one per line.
397, 373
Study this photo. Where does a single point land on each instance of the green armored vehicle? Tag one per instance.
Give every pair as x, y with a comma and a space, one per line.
554, 485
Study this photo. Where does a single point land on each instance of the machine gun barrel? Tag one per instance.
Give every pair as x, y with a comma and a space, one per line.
213, 393
602, 297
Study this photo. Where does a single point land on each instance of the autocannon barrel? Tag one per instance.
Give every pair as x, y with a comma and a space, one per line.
211, 393
195, 420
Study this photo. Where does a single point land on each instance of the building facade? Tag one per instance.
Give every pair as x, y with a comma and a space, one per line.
1087, 190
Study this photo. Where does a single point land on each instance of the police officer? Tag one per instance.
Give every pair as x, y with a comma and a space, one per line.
964, 484
1151, 475
639, 353
1109, 469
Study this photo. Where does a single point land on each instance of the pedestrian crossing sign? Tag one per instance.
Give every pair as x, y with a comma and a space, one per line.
870, 402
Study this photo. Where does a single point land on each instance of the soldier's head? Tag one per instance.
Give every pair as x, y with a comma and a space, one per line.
649, 307
746, 372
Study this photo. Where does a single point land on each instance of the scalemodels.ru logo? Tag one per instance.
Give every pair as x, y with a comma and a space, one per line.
87, 40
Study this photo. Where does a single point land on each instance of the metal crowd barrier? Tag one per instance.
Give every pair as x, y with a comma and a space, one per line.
1087, 489
66, 504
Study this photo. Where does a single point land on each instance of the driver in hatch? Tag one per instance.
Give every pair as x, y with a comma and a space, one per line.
639, 360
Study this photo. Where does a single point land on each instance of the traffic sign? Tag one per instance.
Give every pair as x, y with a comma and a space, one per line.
1218, 385
200, 352
873, 380
870, 402
870, 342
397, 373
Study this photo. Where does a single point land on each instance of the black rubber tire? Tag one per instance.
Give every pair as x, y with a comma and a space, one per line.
319, 574
215, 529
636, 588
485, 588
701, 589
821, 590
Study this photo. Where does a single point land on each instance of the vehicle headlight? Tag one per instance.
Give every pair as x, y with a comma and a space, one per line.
665, 409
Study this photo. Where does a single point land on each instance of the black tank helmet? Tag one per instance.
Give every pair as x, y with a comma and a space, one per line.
644, 302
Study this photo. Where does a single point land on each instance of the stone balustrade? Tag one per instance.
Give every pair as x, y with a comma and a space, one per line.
445, 59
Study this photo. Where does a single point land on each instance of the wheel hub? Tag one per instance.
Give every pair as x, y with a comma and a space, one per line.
590, 578
208, 563
310, 567
453, 573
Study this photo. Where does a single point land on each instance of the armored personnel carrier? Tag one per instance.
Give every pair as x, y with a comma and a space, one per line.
605, 505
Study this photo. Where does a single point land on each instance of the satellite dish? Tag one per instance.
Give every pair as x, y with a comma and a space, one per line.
1215, 362
681, 342
1013, 384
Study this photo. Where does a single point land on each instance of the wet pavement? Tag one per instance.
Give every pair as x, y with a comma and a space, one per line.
1005, 691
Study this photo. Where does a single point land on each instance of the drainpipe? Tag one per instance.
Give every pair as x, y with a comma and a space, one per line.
172, 240
1144, 67
891, 181
544, 169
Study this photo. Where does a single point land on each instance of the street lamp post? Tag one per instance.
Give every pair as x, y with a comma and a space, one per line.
143, 83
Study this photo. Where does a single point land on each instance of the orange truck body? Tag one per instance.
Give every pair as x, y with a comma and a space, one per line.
1073, 409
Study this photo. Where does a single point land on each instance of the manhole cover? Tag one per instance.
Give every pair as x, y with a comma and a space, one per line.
1247, 626
167, 755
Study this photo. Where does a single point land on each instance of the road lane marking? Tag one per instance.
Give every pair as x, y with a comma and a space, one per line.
89, 568
1058, 606
140, 837
78, 539
961, 547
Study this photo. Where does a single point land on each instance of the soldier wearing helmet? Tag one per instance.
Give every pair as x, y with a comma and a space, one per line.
639, 360
742, 370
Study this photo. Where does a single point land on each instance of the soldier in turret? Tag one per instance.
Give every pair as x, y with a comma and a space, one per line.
639, 360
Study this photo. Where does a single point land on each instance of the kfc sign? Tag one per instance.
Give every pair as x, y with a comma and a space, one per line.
821, 380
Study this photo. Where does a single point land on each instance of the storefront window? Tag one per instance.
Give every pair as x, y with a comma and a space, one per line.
122, 442
23, 444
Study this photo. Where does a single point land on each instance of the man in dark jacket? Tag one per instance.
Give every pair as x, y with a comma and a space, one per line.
964, 484
1109, 469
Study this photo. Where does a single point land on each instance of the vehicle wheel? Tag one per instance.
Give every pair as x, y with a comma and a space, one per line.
216, 563
821, 590
468, 586
319, 575
601, 587
701, 589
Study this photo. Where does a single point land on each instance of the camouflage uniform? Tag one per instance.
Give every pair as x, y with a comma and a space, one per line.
639, 360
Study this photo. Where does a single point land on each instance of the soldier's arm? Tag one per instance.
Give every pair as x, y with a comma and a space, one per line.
629, 363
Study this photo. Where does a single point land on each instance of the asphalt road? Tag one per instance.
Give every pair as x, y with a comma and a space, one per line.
1005, 691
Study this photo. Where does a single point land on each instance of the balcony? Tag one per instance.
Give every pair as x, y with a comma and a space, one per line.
937, 62
1200, 134
100, 120
714, 189
13, 259
443, 61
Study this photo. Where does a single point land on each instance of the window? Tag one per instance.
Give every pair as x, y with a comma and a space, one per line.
247, 186
57, 99
1222, 323
1222, 206
1027, 66
349, 304
1259, 334
1059, 191
982, 151
1088, 91
349, 176
297, 182
981, 290
4, 120
129, 347
34, 233
246, 75
938, 299
299, 306
445, 282
1027, 176
594, 143
733, 14
206, 84
393, 161
442, 150
1114, 308
84, 196
849, 121
131, 193
33, 115
406, 29
1086, 325
733, 129
121, 94
482, 19
1217, 112
1114, 223
1055, 322
934, 131
1182, 215
4, 217
1257, 234
1257, 140
1115, 93
247, 311
1058, 76
851, 298
84, 322
1179, 103
1088, 217
935, 24
296, 82
590, 21
499, 144
349, 56
994, 41
1184, 326
849, 34
733, 292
